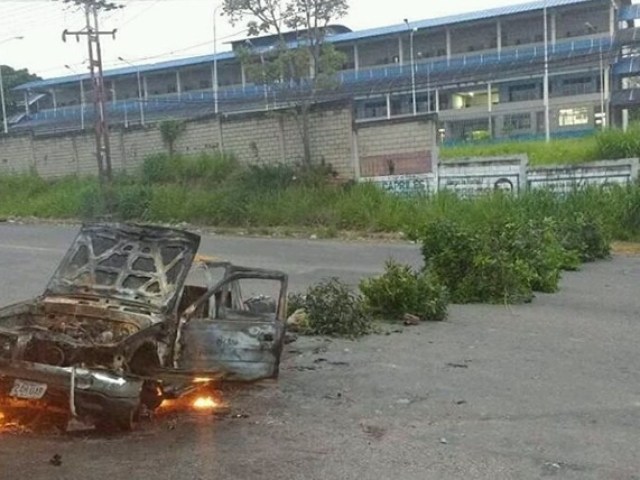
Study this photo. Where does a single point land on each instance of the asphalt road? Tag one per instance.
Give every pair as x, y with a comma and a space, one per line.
550, 389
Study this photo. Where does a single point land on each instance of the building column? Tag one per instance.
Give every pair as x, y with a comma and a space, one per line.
356, 57
612, 20
490, 109
114, 95
213, 79
447, 33
26, 102
388, 105
553, 28
145, 87
53, 99
400, 51
499, 35
437, 100
243, 75
607, 96
178, 83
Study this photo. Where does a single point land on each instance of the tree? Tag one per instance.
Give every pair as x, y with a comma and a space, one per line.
12, 78
105, 5
305, 62
171, 131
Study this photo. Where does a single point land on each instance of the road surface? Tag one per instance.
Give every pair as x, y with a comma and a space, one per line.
550, 389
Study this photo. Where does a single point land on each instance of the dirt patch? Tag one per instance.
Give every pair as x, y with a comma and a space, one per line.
625, 248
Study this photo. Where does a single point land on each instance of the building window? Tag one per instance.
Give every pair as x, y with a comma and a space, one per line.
577, 86
519, 121
570, 117
372, 108
204, 84
401, 105
524, 92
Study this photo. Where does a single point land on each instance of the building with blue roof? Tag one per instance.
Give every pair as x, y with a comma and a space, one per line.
481, 72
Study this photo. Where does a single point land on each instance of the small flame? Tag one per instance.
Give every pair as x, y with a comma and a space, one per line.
202, 380
204, 403
1, 418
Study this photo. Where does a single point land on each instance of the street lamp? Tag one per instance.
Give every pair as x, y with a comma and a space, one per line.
603, 116
216, 101
139, 89
81, 95
5, 122
412, 32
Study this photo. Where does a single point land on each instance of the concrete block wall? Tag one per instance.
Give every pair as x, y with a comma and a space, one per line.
331, 140
16, 154
408, 145
566, 178
470, 177
255, 138
277, 138
134, 145
56, 155
476, 176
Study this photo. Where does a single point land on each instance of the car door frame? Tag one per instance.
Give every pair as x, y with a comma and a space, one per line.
232, 273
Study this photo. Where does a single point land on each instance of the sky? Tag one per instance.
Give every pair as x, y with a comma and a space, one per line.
155, 30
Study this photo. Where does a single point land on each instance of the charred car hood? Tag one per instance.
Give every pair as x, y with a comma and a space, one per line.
144, 265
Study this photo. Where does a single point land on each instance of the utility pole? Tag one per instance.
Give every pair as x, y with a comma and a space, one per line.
93, 34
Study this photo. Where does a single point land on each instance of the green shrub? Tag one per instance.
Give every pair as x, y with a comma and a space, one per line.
401, 290
332, 309
584, 235
132, 201
499, 261
194, 170
615, 144
171, 131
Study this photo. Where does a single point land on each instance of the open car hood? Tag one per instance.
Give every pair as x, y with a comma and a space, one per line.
144, 265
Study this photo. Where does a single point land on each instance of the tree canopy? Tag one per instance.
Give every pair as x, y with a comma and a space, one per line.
100, 4
12, 78
301, 60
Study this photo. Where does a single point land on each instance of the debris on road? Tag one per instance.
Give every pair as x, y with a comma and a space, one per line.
463, 364
411, 320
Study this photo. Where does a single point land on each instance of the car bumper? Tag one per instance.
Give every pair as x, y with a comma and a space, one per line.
82, 391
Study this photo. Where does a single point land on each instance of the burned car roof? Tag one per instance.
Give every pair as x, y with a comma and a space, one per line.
132, 263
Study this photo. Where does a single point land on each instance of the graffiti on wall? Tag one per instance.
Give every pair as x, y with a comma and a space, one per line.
565, 179
472, 178
421, 184
475, 185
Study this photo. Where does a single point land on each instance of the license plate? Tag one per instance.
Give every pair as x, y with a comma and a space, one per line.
29, 390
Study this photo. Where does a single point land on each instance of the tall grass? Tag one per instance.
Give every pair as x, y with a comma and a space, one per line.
606, 145
215, 190
561, 151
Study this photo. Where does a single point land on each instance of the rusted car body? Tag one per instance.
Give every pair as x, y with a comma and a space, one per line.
118, 330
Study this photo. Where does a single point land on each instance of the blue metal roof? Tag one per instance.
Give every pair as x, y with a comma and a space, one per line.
128, 70
339, 38
459, 18
629, 12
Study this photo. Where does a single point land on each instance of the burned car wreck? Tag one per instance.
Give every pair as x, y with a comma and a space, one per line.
119, 328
